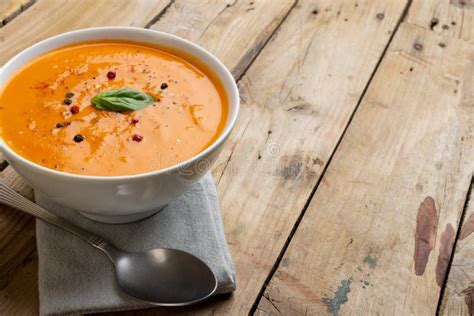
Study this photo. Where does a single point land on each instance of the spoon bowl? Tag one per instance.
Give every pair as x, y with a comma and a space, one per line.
165, 277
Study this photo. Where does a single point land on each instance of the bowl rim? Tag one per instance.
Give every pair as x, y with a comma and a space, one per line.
226, 75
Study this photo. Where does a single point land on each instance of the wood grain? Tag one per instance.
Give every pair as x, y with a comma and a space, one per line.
51, 17
411, 138
448, 18
458, 297
11, 8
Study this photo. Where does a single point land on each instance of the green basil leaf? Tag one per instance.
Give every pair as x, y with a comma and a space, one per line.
119, 100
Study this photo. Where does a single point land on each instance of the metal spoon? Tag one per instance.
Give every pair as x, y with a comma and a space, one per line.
164, 277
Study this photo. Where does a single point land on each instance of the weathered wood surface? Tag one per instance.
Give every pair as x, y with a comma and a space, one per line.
234, 31
297, 98
378, 234
9, 9
458, 297
449, 18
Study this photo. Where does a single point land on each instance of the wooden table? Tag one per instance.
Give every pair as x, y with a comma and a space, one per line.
345, 186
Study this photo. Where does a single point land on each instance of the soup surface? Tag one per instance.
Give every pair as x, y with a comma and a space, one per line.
48, 117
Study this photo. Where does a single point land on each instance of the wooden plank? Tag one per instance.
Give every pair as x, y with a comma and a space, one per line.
51, 17
217, 16
222, 27
458, 297
297, 98
11, 8
449, 18
310, 24
378, 234
17, 229
20, 297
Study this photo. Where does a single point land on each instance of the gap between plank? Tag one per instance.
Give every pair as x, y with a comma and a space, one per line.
159, 15
266, 42
308, 201
22, 8
3, 165
456, 239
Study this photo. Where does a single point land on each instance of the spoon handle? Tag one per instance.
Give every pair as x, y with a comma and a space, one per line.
11, 198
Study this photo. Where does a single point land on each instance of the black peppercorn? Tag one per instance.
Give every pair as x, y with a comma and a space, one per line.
69, 94
67, 101
78, 138
164, 85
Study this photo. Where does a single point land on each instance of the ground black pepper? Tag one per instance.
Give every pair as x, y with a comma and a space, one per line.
61, 125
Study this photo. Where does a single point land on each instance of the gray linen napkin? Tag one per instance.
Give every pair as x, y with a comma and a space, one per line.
75, 278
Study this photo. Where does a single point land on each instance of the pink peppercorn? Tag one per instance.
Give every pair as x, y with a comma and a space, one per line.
137, 138
111, 75
75, 109
135, 120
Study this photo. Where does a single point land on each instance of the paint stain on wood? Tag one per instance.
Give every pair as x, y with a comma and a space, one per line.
468, 227
445, 251
371, 261
340, 297
469, 299
425, 234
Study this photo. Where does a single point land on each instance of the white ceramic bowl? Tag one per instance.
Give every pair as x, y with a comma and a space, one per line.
120, 199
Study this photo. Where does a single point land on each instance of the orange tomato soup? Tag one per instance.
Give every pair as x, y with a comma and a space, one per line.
47, 115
